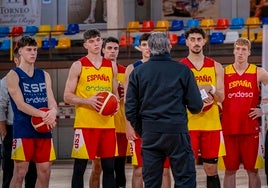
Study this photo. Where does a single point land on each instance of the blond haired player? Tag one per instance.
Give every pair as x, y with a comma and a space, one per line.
240, 124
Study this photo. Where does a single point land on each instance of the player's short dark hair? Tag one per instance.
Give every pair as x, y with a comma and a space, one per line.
144, 37
26, 41
110, 39
195, 30
91, 33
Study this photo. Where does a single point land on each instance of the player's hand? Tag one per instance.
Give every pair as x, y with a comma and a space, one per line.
206, 87
209, 100
3, 130
94, 102
49, 117
121, 91
130, 132
255, 113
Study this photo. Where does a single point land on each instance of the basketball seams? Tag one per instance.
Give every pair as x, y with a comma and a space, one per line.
105, 102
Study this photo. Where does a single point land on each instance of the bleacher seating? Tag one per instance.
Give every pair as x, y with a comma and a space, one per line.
231, 37
176, 25
237, 23
16, 31
216, 38
253, 22
250, 35
38, 41
49, 43
75, 43
4, 31
30, 30
136, 40
162, 25
63, 43
58, 29
259, 37
133, 26
5, 44
192, 23
264, 21
72, 29
222, 24
125, 40
207, 24
182, 40
43, 30
173, 38
147, 26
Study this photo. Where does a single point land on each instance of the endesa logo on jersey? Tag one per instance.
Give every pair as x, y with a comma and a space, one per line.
98, 88
240, 94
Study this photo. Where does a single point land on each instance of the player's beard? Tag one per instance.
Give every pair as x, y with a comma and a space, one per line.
196, 52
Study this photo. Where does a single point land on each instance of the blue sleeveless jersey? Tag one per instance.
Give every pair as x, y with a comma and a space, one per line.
137, 63
34, 93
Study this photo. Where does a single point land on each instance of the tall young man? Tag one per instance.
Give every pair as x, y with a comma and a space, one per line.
6, 126
110, 50
30, 89
205, 127
94, 134
137, 180
240, 124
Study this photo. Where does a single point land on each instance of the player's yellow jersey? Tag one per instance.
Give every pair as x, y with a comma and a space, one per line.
210, 119
92, 81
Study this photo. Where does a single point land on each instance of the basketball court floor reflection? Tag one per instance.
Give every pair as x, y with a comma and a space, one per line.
61, 175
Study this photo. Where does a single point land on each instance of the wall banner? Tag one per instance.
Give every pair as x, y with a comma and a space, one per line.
87, 11
20, 12
174, 9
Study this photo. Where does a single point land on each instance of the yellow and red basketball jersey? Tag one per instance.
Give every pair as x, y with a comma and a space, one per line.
208, 120
241, 93
92, 81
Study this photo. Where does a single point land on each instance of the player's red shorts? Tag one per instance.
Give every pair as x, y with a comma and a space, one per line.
91, 143
207, 142
38, 150
137, 158
122, 144
241, 149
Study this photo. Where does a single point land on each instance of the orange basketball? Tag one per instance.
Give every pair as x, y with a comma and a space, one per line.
110, 103
38, 123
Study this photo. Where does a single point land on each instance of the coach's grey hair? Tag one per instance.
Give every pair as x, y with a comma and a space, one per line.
159, 43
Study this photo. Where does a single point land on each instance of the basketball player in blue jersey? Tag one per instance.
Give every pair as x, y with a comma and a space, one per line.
6, 130
30, 89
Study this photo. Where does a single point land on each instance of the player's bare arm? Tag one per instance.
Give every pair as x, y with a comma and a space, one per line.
262, 75
219, 93
115, 81
51, 115
129, 69
130, 133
